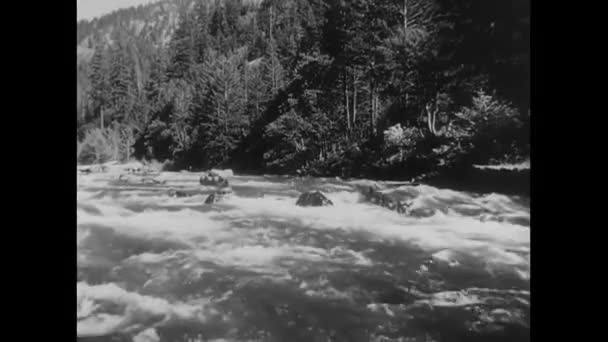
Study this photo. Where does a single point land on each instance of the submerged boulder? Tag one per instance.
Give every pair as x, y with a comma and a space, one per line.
225, 190
92, 169
139, 180
313, 199
179, 193
422, 212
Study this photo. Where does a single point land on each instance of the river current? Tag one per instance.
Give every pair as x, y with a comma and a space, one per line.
256, 267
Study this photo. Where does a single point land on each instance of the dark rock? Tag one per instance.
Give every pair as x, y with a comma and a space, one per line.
387, 201
212, 179
313, 199
371, 195
218, 196
213, 198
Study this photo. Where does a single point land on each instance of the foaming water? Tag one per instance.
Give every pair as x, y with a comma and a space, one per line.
257, 267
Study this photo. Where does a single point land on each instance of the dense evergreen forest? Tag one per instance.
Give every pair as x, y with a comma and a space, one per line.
319, 87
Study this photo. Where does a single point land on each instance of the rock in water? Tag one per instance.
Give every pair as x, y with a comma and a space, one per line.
211, 179
219, 195
313, 199
373, 196
386, 201
213, 198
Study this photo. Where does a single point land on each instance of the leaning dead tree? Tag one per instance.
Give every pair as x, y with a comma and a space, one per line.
431, 112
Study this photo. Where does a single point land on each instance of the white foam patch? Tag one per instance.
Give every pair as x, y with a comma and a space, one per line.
381, 307
136, 310
451, 299
433, 233
180, 225
446, 256
263, 184
475, 296
148, 335
274, 259
105, 208
328, 293
149, 258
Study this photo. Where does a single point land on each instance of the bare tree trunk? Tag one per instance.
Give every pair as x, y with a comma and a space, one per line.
371, 106
354, 98
404, 15
101, 112
272, 51
345, 91
128, 149
375, 112
429, 122
116, 139
129, 141
246, 84
225, 108
257, 106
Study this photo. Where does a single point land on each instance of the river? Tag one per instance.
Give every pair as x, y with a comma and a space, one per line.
256, 267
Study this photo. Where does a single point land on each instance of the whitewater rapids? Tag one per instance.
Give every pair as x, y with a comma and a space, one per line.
258, 268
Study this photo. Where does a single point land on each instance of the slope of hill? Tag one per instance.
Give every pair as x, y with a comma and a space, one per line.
155, 21
141, 31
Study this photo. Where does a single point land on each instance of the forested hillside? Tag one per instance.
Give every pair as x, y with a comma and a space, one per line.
323, 87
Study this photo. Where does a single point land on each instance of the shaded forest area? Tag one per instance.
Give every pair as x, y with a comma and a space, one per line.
392, 89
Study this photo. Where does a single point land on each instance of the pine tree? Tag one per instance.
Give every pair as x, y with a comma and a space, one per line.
99, 92
182, 48
121, 82
220, 110
201, 34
